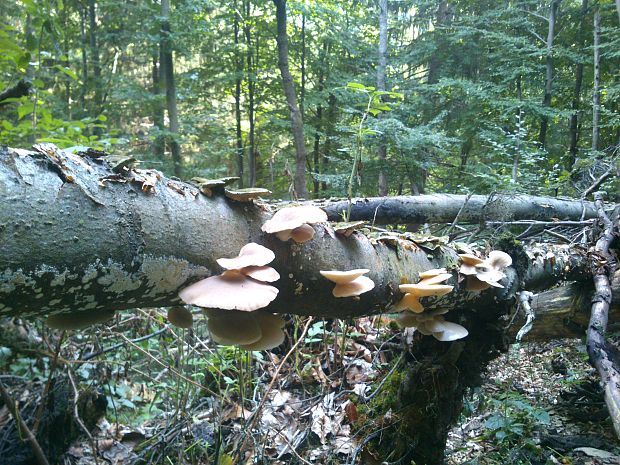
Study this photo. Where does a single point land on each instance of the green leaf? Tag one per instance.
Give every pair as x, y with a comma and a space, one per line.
24, 110
68, 72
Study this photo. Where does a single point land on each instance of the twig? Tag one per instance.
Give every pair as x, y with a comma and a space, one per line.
274, 378
458, 214
598, 350
525, 297
48, 384
22, 427
76, 398
607, 174
92, 355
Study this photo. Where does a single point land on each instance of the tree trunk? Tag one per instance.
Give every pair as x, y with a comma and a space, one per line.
239, 71
167, 64
302, 89
84, 58
329, 135
251, 78
544, 123
94, 58
618, 8
574, 119
596, 94
137, 238
297, 125
159, 143
381, 86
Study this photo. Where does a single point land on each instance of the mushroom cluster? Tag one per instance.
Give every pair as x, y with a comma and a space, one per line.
349, 283
258, 330
483, 274
294, 223
433, 324
242, 287
429, 286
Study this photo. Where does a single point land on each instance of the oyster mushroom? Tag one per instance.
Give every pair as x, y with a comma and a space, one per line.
78, 320
433, 324
293, 223
413, 292
483, 274
349, 283
250, 331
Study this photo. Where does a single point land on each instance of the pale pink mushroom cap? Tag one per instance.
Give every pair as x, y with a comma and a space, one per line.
293, 217
426, 290
229, 291
251, 254
272, 334
265, 274
432, 273
343, 277
440, 278
410, 302
354, 288
230, 328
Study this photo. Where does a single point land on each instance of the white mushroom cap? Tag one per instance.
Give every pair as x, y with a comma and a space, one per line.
230, 328
474, 284
468, 267
302, 234
229, 291
354, 288
265, 274
432, 273
499, 260
449, 331
251, 254
342, 277
293, 217
180, 317
440, 278
410, 302
78, 320
272, 334
426, 290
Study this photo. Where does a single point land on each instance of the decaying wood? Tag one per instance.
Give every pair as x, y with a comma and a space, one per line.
77, 235
601, 355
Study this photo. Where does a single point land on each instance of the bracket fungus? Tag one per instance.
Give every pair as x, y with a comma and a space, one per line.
294, 223
433, 324
349, 283
246, 195
250, 331
241, 287
429, 286
483, 274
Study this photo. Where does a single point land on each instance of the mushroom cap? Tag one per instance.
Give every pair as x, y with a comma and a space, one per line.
432, 273
449, 331
265, 274
473, 284
180, 317
499, 260
347, 228
251, 254
426, 290
489, 275
440, 278
468, 269
470, 259
271, 329
229, 291
78, 320
247, 194
229, 328
293, 217
353, 288
343, 277
302, 234
407, 320
410, 302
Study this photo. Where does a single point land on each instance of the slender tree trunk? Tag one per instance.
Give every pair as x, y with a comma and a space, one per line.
171, 92
329, 135
302, 90
319, 122
618, 8
84, 58
544, 123
251, 78
574, 119
239, 71
159, 143
381, 86
30, 75
94, 57
596, 97
297, 125
515, 162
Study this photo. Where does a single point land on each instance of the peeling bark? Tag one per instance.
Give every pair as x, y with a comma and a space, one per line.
76, 236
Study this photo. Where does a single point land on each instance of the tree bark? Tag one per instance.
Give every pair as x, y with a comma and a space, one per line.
297, 125
167, 64
596, 94
85, 238
381, 86
21, 89
443, 208
544, 123
574, 119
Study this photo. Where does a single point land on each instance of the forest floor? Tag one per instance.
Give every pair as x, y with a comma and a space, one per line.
328, 401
